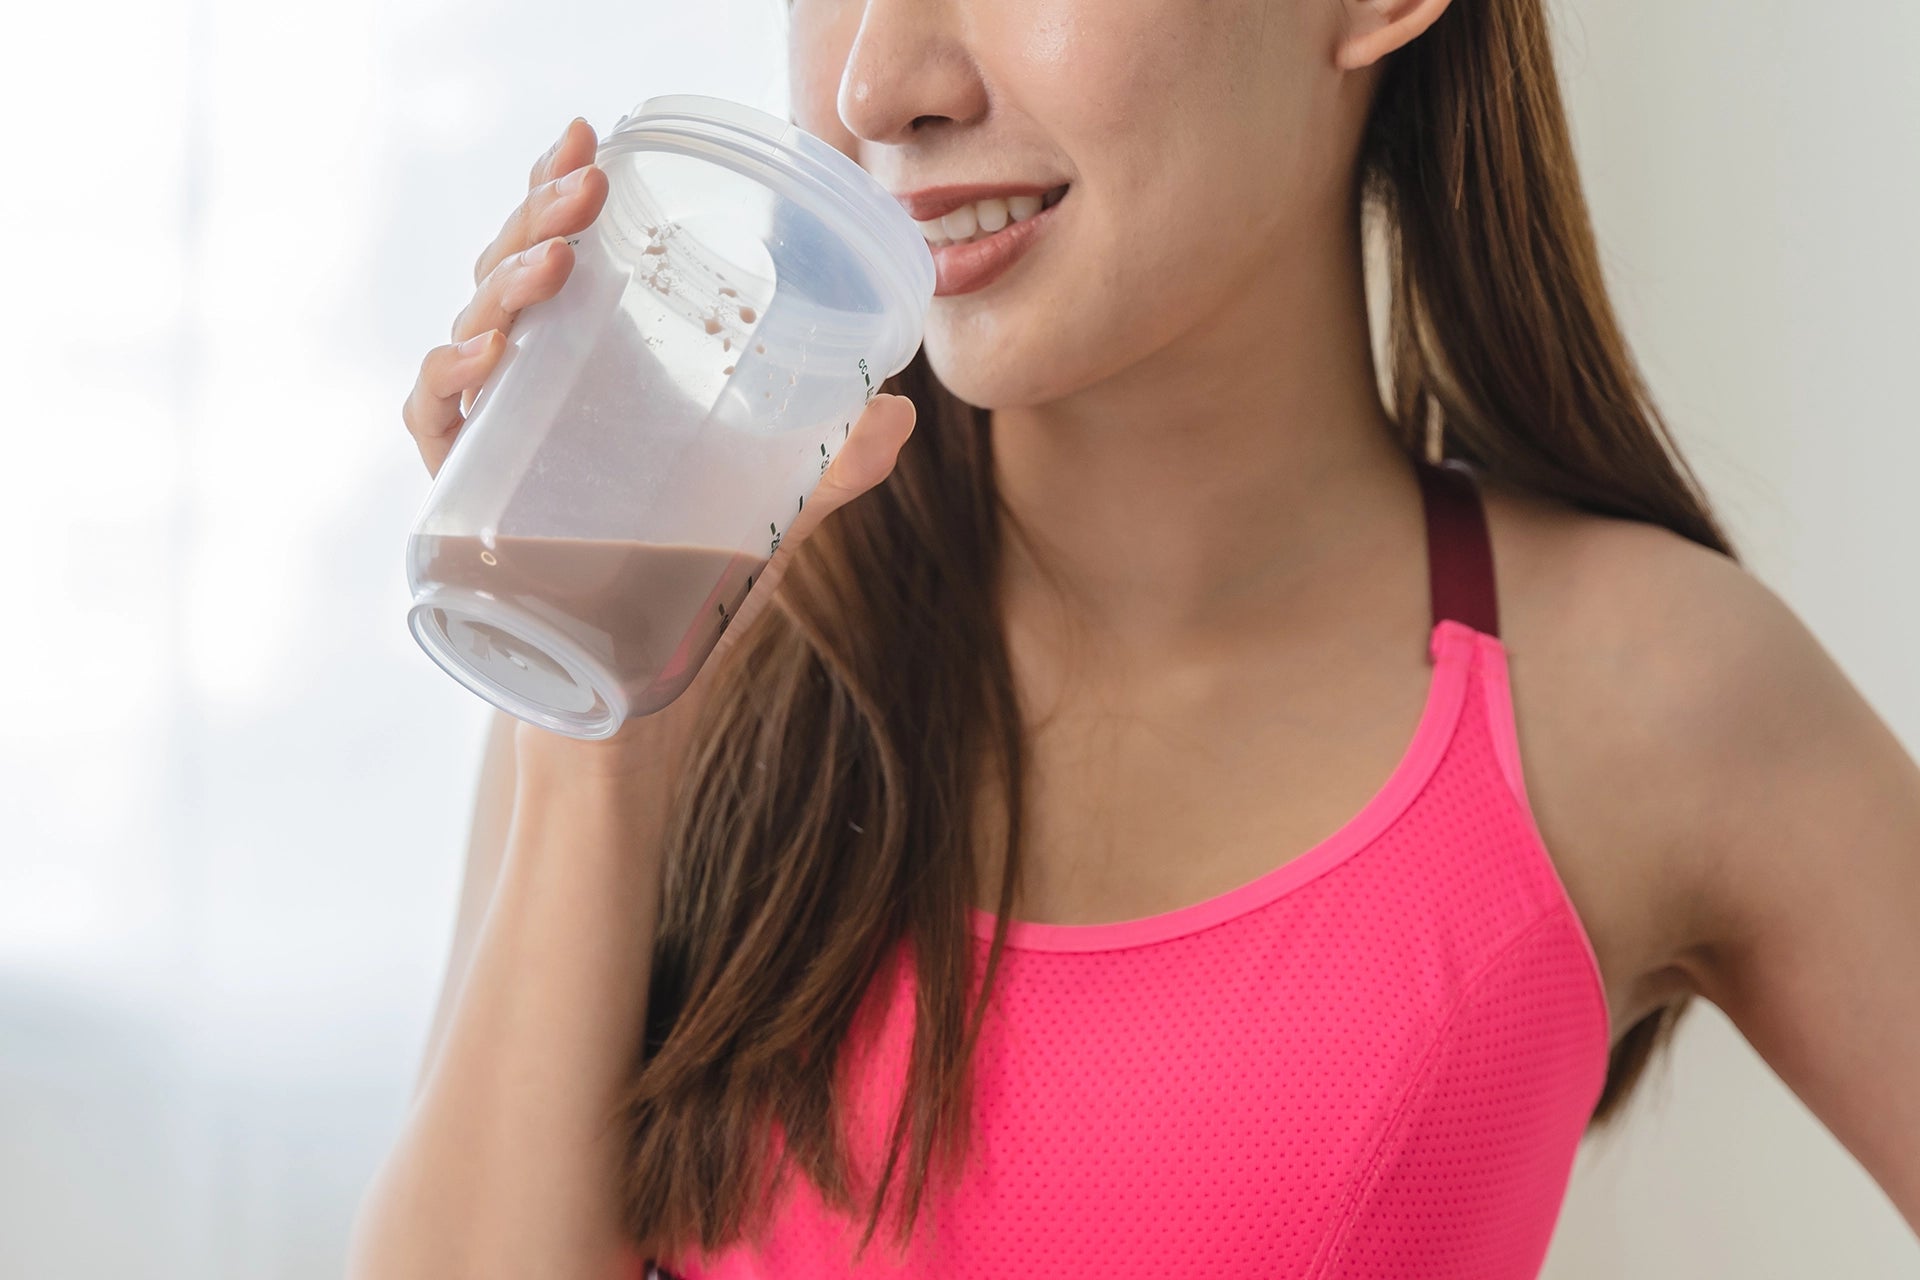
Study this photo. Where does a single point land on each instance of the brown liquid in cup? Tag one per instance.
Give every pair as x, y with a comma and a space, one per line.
652, 611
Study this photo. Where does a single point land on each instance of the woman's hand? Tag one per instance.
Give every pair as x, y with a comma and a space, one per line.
529, 260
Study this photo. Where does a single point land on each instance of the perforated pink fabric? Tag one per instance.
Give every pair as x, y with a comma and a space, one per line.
1375, 1061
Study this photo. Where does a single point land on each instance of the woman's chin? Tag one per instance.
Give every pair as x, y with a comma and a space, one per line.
986, 381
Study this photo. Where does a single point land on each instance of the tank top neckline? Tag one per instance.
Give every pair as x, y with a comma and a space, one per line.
1464, 606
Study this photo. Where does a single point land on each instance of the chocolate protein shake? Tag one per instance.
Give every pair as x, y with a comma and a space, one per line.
627, 603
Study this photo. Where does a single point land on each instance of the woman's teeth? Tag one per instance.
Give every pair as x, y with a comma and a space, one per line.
984, 217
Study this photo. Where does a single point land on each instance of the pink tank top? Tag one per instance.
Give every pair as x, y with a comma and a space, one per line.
1376, 1060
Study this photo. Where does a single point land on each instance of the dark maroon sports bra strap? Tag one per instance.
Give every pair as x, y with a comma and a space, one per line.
1459, 554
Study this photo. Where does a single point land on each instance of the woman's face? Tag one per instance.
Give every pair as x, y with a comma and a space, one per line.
1205, 144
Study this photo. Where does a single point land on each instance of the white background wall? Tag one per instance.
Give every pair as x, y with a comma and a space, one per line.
234, 795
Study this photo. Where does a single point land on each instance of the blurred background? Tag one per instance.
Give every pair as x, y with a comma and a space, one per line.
234, 796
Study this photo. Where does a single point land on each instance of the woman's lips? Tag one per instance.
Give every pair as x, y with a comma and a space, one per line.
964, 268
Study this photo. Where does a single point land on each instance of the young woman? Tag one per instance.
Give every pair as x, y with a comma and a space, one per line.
1212, 800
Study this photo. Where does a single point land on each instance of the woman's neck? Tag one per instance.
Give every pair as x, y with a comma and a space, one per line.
1215, 482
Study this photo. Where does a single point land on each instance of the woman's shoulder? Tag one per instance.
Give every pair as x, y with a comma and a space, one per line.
1609, 588
1693, 741
1634, 655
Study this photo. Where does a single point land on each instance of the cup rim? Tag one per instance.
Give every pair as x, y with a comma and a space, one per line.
804, 168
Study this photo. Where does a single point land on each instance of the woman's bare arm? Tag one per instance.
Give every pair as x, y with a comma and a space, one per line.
1799, 845
505, 1166
486, 843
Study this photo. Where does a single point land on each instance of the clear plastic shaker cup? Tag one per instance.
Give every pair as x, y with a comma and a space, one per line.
629, 466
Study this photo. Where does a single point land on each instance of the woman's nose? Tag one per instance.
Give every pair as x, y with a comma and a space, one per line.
908, 64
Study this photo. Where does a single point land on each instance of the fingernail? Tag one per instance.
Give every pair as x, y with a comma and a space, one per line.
573, 181
538, 253
475, 345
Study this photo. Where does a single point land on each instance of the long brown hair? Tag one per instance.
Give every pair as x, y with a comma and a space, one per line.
827, 813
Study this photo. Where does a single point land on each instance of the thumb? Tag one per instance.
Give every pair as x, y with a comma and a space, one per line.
868, 454
866, 457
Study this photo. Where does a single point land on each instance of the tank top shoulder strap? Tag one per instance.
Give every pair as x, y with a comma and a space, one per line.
1459, 552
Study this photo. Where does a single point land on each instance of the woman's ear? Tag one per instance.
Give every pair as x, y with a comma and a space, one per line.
1375, 28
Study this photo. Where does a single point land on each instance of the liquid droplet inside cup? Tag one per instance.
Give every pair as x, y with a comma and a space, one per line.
725, 291
747, 314
713, 326
728, 369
